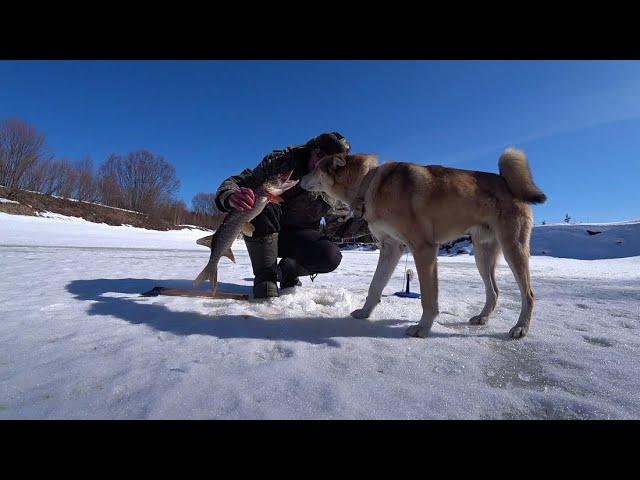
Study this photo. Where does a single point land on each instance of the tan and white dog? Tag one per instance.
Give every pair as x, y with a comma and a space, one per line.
424, 206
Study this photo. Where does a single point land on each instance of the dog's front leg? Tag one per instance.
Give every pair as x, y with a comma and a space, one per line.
426, 258
390, 253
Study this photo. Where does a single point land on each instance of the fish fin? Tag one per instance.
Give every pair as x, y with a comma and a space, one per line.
204, 275
275, 199
205, 241
229, 255
247, 229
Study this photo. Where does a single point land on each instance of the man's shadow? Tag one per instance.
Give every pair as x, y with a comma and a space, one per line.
137, 309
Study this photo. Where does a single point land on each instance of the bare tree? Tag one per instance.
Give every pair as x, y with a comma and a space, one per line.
138, 181
35, 178
86, 184
52, 176
205, 203
68, 179
176, 212
110, 191
21, 146
60, 177
205, 212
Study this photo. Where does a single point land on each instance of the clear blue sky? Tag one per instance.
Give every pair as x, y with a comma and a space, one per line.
579, 122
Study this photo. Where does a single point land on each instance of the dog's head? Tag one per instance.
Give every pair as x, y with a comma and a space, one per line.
339, 175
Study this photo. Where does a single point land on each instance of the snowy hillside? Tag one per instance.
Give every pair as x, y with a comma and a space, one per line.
78, 341
587, 241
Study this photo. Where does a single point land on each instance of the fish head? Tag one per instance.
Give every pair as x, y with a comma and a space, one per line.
277, 185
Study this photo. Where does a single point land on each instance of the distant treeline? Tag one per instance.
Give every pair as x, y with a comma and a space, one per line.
140, 180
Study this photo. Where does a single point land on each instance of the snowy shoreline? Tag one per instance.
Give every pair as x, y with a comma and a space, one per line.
582, 242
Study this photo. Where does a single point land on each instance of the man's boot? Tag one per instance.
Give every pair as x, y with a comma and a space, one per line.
290, 270
263, 253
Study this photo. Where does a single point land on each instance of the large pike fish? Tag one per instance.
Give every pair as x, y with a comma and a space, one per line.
235, 222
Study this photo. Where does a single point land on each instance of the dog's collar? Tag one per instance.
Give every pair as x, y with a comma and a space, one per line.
358, 203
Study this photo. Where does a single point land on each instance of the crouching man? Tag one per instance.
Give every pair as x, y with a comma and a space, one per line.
290, 230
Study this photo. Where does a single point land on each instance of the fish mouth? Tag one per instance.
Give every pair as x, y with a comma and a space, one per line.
286, 177
281, 183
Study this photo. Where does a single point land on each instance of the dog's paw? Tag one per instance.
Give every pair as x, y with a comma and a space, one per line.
417, 331
518, 332
479, 320
361, 313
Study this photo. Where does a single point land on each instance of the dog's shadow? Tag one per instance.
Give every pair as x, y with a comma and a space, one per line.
137, 309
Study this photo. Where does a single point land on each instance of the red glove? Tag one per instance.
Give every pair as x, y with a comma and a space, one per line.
242, 200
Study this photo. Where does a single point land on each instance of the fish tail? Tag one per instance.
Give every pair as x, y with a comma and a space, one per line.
206, 274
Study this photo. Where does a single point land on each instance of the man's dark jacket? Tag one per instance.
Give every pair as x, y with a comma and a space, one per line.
301, 209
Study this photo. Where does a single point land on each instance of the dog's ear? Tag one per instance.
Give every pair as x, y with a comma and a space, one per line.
338, 161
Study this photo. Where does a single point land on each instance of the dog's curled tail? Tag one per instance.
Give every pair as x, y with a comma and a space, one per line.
514, 168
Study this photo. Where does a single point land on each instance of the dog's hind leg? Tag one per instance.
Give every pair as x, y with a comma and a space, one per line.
514, 240
486, 250
426, 258
390, 253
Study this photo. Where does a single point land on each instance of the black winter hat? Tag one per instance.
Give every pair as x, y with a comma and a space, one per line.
331, 143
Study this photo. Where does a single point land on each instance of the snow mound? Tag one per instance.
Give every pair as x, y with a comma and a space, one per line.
587, 241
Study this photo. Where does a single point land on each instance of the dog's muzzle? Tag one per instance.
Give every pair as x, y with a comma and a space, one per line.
307, 184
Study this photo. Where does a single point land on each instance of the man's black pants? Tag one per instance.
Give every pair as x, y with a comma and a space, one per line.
311, 250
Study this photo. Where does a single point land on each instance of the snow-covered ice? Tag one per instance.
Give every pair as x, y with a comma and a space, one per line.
78, 341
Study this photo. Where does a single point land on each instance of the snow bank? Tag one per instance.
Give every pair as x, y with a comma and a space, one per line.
52, 229
587, 241
579, 241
